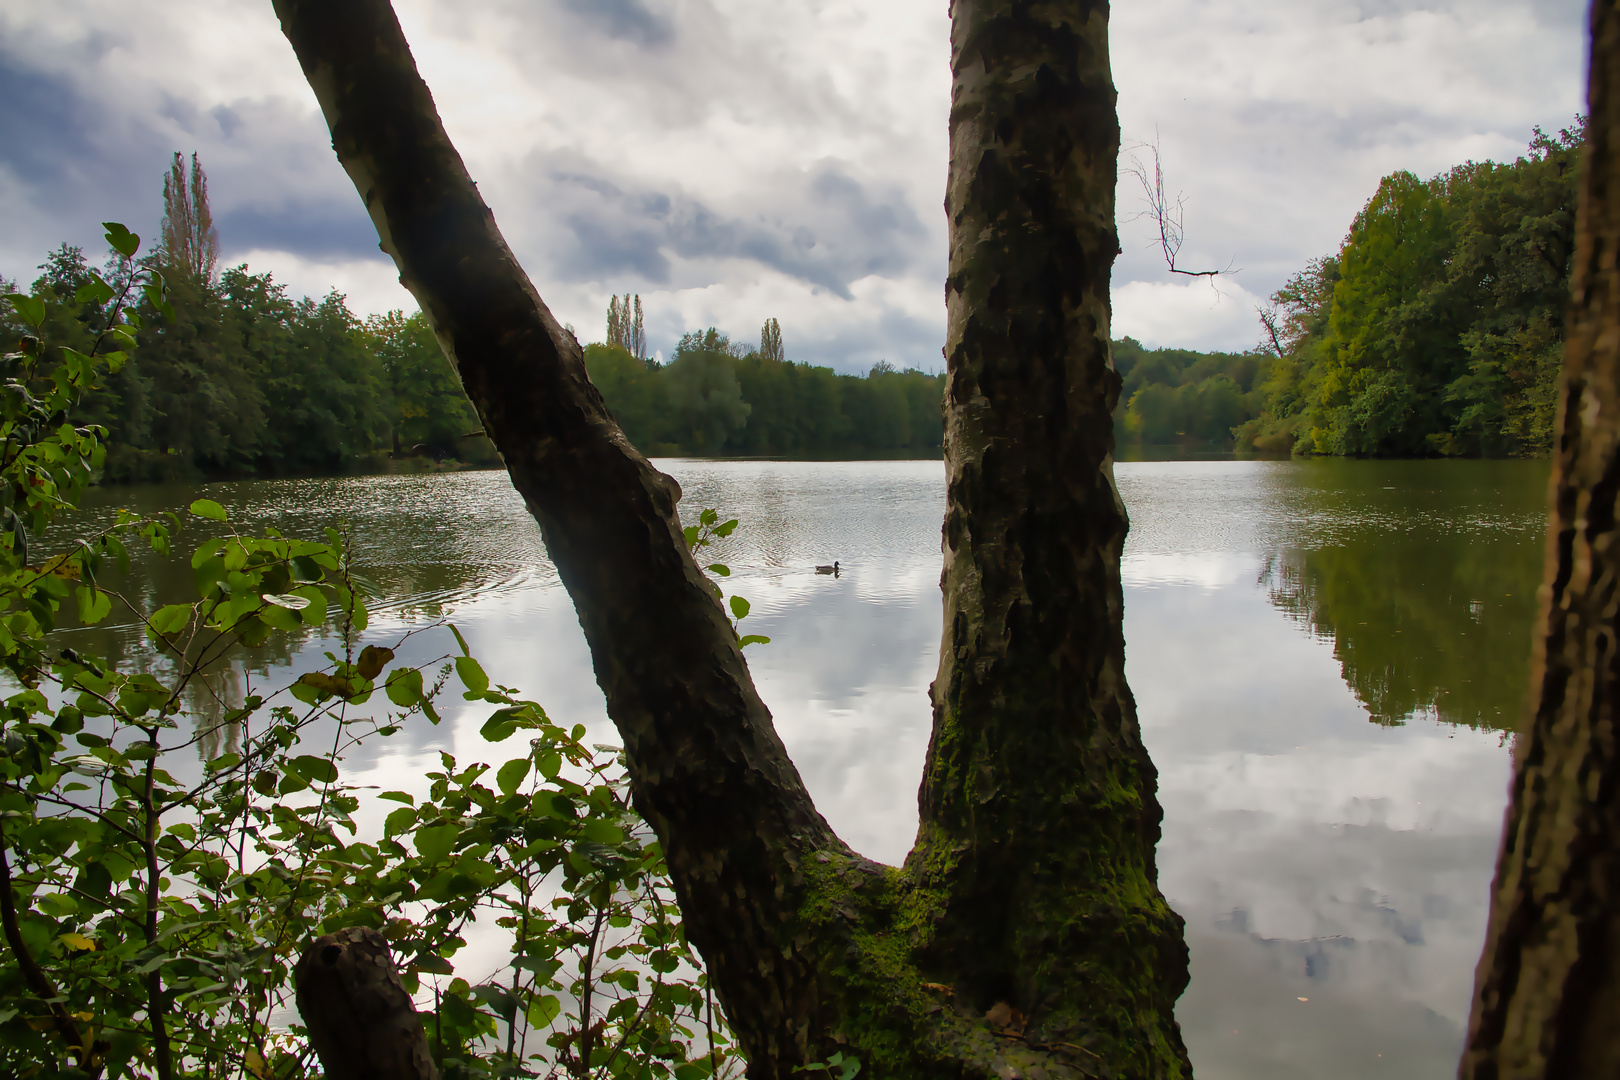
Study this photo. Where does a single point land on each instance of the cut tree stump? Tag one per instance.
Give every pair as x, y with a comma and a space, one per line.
360, 1019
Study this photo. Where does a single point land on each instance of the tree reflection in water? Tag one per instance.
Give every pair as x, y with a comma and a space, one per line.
1428, 608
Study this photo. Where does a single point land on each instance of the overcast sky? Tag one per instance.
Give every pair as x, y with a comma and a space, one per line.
735, 160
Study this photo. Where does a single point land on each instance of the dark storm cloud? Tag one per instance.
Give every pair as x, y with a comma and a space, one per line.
338, 230
77, 156
73, 165
623, 20
823, 227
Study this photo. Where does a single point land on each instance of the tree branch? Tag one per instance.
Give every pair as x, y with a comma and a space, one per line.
708, 770
37, 980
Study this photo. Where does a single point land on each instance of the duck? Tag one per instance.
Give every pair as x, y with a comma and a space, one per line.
833, 569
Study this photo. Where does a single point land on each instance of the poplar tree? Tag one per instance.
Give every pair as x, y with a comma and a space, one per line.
770, 341
626, 328
190, 243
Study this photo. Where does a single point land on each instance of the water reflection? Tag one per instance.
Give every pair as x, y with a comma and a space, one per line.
1423, 575
1333, 872
1272, 610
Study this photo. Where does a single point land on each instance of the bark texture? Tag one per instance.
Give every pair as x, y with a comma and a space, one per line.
1547, 992
360, 1019
1039, 814
710, 773
1036, 772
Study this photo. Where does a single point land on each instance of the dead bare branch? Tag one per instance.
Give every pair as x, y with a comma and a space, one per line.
1167, 213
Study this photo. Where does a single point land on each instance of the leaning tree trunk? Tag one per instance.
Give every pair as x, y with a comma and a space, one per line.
1547, 993
1026, 932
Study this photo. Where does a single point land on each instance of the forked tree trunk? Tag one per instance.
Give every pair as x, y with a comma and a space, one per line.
1025, 934
1547, 994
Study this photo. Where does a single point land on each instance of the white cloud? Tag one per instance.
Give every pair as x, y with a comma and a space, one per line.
799, 150
1196, 314
370, 285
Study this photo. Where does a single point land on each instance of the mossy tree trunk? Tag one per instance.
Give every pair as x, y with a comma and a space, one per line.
1039, 812
1547, 994
1026, 933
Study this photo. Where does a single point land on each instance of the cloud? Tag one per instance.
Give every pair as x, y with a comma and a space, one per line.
1202, 314
822, 226
624, 20
740, 160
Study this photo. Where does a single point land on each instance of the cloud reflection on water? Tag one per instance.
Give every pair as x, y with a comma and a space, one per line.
1313, 854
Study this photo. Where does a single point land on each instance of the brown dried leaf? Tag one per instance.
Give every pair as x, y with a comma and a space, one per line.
372, 660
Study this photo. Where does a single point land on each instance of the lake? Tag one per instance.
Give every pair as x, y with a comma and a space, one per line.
1328, 657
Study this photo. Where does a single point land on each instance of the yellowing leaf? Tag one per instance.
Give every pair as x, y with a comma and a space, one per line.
83, 944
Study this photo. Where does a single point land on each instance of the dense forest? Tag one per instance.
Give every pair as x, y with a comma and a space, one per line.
239, 379
1182, 396
1437, 328
717, 397
1434, 330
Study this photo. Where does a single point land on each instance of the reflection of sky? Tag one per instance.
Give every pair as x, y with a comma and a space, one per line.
1313, 854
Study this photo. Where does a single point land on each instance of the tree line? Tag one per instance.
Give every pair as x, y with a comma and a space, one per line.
237, 378
1436, 329
717, 396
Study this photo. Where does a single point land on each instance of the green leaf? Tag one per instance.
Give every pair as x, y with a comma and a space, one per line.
434, 842
314, 768
121, 239
399, 796
603, 832
208, 508
56, 905
460, 640
543, 1009
725, 528
404, 686
739, 607
433, 965
498, 727
709, 516
511, 775
28, 309
95, 291
399, 821
314, 612
94, 605
719, 568
472, 676
170, 619
752, 639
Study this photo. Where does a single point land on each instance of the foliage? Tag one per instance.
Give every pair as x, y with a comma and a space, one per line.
158, 883
189, 246
431, 413
626, 326
717, 397
1182, 396
1437, 328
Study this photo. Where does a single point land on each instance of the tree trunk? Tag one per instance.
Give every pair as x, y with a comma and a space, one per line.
1037, 782
360, 1019
1039, 806
1548, 988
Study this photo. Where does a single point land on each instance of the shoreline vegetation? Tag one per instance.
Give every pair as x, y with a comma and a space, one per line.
1435, 330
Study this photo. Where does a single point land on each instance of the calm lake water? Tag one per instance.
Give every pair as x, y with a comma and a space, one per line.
1328, 659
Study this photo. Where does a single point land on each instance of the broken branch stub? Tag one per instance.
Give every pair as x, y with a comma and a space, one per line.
360, 1019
